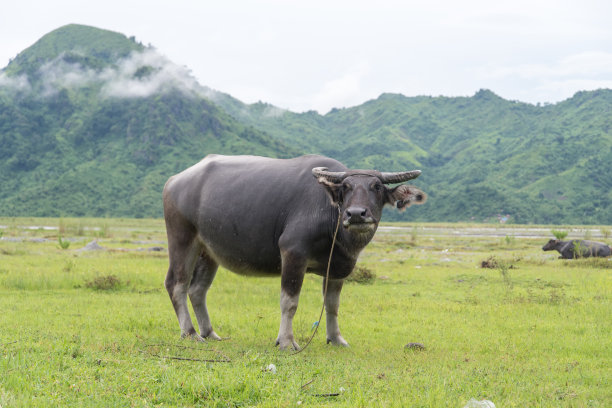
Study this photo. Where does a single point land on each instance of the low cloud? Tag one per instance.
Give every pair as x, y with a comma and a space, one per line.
273, 112
14, 84
140, 75
59, 73
158, 75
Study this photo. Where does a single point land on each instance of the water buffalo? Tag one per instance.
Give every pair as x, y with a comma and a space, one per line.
262, 216
577, 248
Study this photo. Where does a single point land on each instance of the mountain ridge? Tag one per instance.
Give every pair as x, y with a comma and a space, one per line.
92, 123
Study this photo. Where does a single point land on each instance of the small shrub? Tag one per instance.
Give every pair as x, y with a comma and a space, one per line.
490, 263
502, 265
361, 274
108, 282
103, 231
69, 266
578, 249
556, 296
559, 234
604, 231
413, 236
504, 270
64, 244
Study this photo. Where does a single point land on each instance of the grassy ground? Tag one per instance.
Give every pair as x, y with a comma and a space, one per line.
96, 328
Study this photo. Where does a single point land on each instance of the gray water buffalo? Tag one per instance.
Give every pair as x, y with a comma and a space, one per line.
262, 216
577, 248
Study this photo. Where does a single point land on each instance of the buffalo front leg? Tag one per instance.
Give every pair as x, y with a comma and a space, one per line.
332, 303
292, 277
203, 276
178, 279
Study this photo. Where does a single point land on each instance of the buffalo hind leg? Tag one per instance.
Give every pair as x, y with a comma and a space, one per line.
332, 303
183, 254
292, 277
203, 276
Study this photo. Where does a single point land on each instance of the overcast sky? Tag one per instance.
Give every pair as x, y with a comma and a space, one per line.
319, 54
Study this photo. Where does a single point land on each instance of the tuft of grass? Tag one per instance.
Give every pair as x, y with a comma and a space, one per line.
504, 270
64, 244
413, 236
592, 262
578, 249
490, 263
362, 275
108, 282
503, 265
559, 234
104, 231
69, 266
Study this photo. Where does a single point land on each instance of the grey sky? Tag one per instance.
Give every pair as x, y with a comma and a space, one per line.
319, 54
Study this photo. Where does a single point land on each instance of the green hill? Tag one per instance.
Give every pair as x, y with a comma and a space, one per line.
92, 123
481, 156
75, 142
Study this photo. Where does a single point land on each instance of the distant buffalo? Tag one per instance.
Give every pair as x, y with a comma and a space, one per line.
578, 248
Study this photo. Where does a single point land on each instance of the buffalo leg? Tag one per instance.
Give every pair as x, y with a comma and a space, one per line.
292, 277
184, 250
332, 303
204, 273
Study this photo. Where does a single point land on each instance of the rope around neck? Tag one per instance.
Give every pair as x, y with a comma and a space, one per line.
331, 251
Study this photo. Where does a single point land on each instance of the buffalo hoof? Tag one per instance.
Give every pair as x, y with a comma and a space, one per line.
193, 336
337, 341
285, 344
211, 335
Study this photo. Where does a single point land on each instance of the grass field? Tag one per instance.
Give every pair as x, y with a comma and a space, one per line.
96, 328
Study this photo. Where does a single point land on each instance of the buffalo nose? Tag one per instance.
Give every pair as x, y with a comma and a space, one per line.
356, 213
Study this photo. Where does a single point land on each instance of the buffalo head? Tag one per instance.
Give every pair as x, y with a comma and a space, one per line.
362, 194
551, 245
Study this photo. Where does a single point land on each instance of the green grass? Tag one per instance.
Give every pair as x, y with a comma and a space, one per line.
96, 328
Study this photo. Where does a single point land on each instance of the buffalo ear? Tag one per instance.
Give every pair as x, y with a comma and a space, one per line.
404, 195
334, 190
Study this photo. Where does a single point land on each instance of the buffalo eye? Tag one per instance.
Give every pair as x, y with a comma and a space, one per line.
378, 187
347, 186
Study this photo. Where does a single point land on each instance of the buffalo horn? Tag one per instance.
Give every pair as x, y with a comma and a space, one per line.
390, 178
332, 176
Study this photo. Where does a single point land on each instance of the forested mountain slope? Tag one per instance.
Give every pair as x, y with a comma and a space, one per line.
93, 123
481, 156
